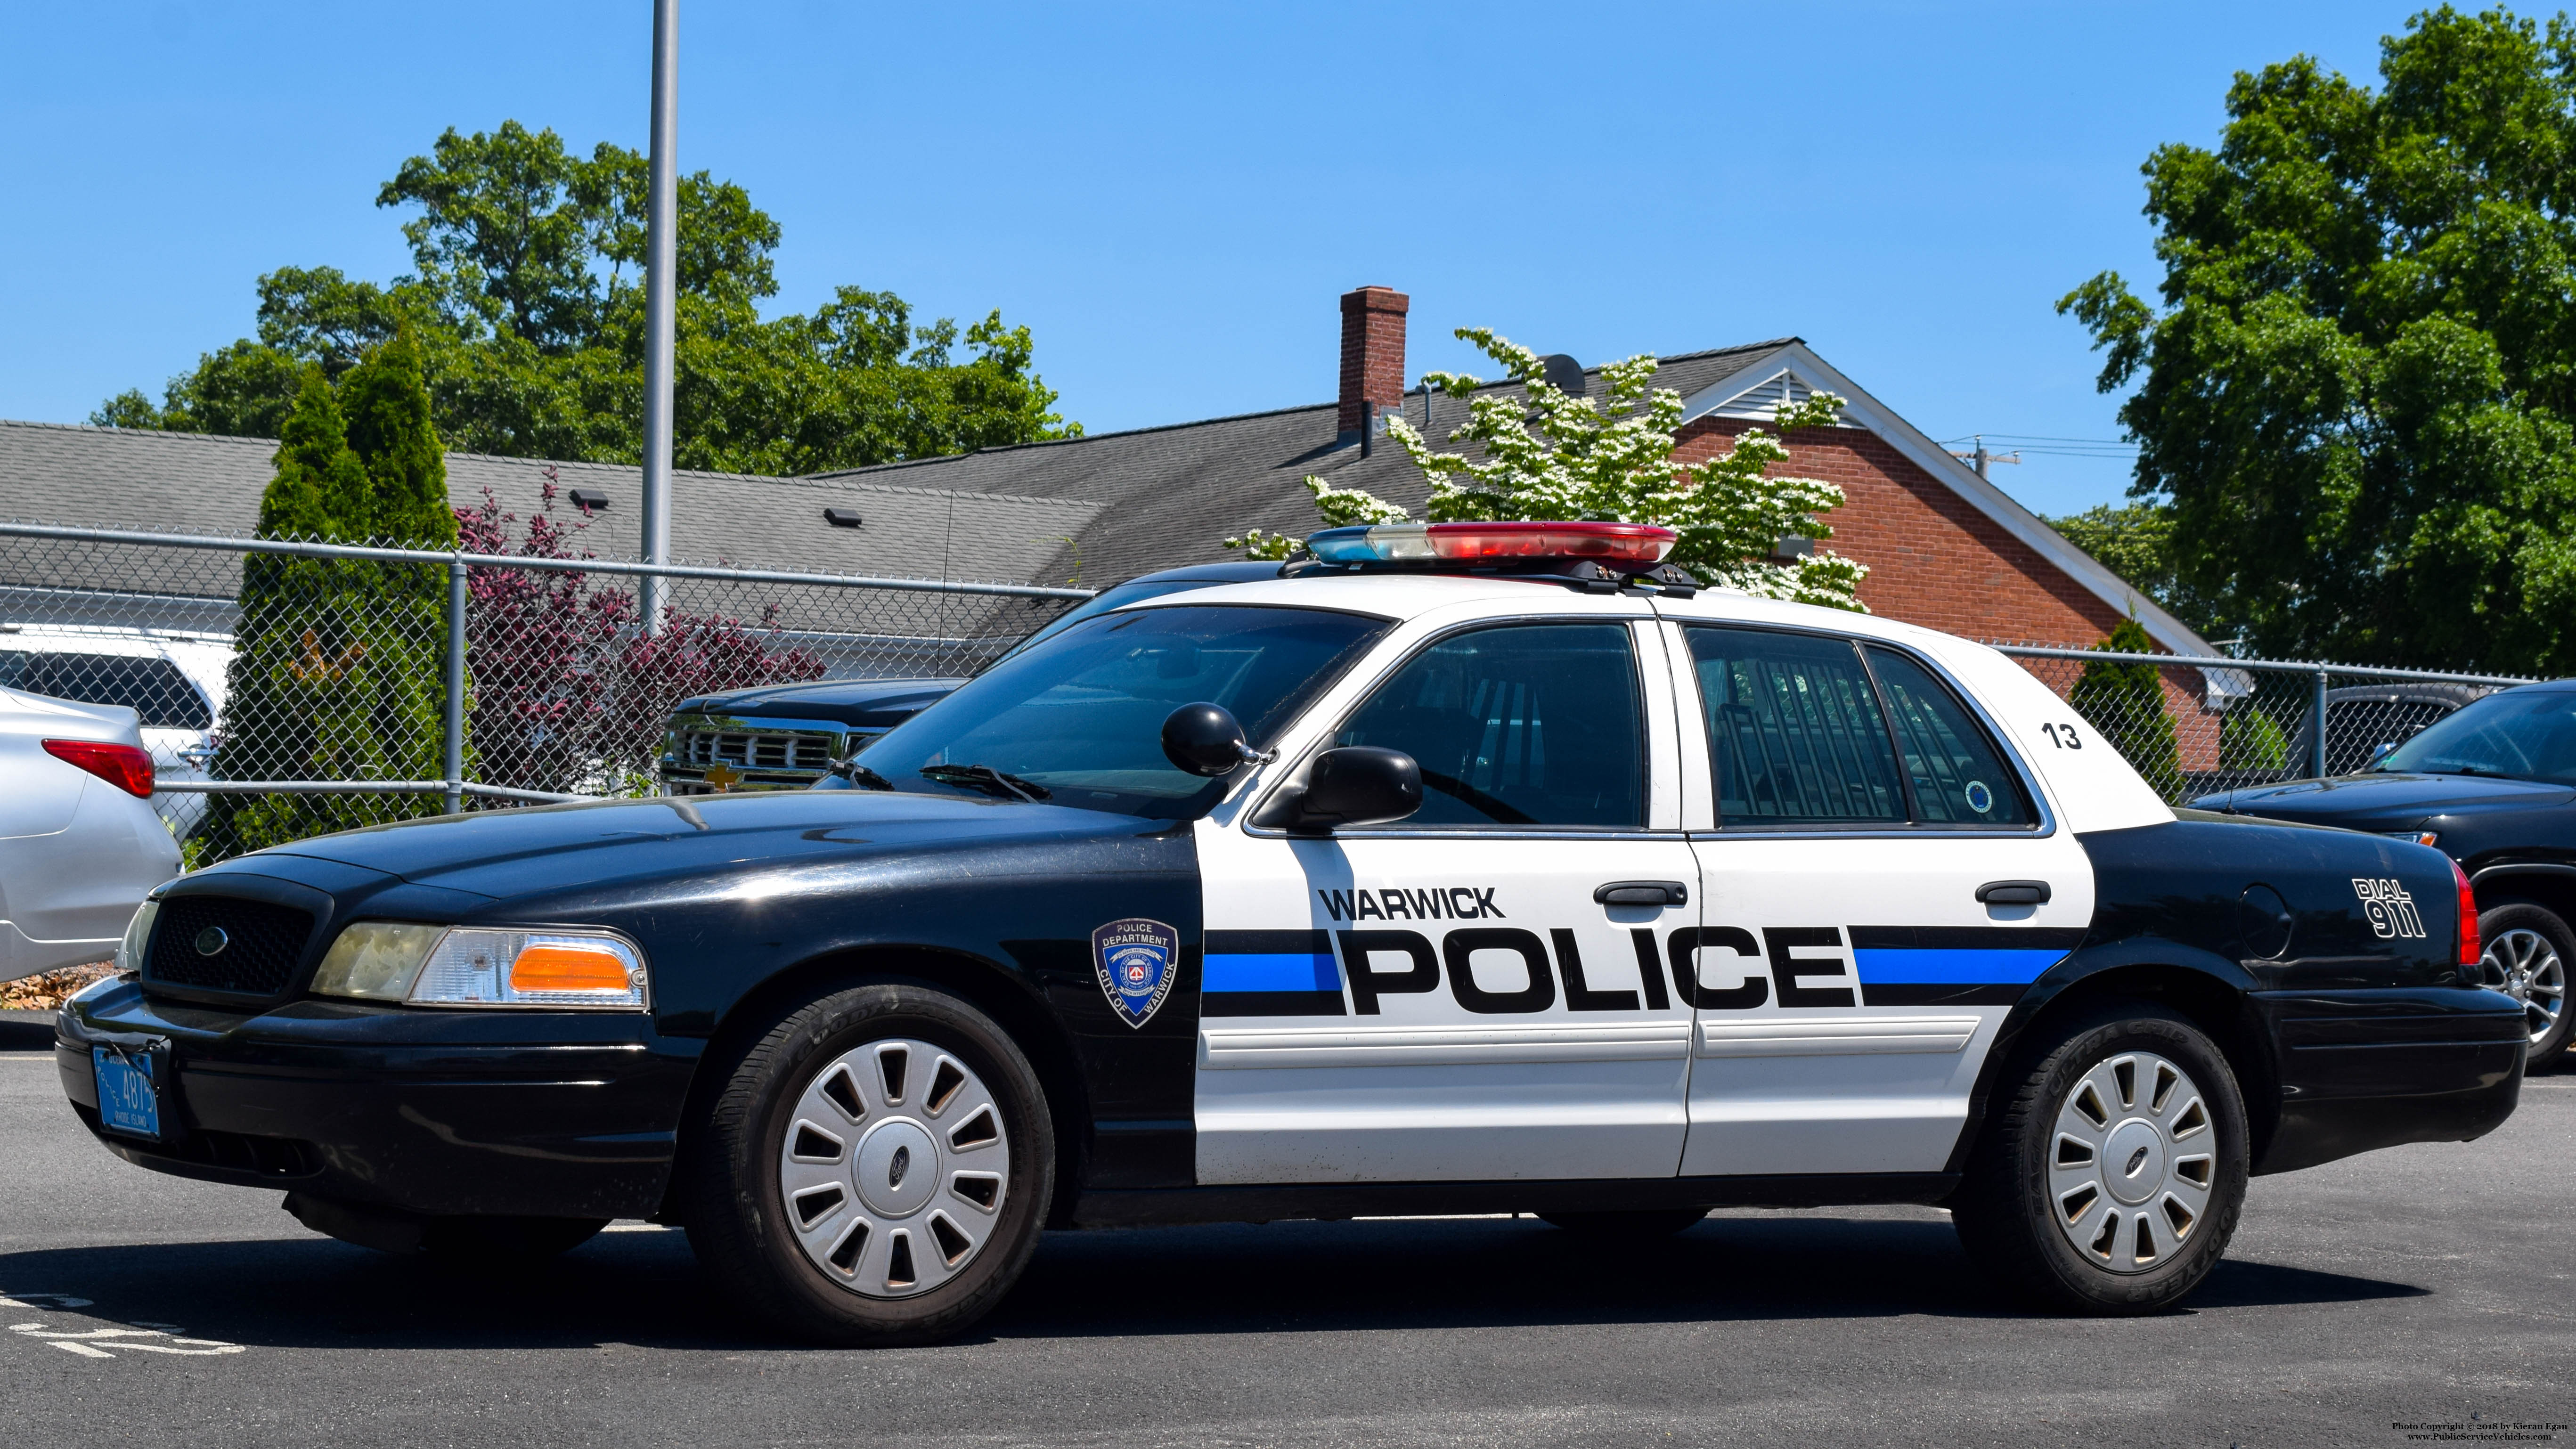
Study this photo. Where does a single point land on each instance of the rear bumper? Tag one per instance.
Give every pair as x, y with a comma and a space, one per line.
2365, 1069
539, 1114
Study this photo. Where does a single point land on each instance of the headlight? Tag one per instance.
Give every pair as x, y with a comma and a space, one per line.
453, 966
138, 935
376, 960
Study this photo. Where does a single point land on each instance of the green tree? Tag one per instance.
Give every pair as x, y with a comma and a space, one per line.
2136, 542
1549, 455
2357, 388
526, 305
2126, 703
336, 670
2250, 739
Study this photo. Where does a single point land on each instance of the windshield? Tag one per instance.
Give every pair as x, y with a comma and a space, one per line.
1080, 716
2528, 735
1118, 596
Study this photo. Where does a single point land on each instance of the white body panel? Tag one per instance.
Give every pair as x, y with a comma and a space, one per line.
1411, 1084
1892, 1080
1414, 1086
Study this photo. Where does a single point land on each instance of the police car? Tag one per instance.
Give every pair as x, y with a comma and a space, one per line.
1463, 868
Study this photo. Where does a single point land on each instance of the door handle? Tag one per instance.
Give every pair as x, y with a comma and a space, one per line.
2014, 893
1643, 893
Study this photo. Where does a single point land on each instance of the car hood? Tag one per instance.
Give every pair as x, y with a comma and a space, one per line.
553, 849
2386, 801
869, 703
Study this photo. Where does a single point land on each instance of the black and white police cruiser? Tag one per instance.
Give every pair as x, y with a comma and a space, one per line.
1463, 868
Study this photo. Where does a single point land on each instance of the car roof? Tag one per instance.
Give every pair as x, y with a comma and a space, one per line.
1408, 594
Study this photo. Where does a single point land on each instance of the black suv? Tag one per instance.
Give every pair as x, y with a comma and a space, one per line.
786, 736
2494, 786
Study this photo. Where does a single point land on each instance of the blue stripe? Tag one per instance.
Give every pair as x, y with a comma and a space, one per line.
1970, 967
1271, 973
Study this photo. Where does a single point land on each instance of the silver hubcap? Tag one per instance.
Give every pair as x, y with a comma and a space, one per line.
2133, 1161
893, 1168
2523, 965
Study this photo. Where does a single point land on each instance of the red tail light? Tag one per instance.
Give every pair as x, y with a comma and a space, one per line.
123, 766
2470, 947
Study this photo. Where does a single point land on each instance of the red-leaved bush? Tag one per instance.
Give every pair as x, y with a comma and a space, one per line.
566, 691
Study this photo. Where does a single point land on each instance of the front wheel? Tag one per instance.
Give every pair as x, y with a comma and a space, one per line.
2110, 1176
2527, 953
875, 1169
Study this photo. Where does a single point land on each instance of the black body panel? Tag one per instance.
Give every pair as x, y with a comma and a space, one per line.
744, 905
2367, 1069
2515, 838
552, 1114
2345, 1039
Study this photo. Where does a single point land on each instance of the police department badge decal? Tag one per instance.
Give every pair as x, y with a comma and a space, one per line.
1137, 960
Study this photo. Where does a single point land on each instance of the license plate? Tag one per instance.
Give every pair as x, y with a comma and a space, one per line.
129, 1098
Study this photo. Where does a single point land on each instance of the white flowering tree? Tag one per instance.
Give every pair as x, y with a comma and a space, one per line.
1553, 456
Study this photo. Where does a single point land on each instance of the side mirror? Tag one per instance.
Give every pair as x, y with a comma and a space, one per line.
1359, 785
1204, 739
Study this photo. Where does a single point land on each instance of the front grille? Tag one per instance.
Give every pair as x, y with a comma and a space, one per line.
776, 750
262, 946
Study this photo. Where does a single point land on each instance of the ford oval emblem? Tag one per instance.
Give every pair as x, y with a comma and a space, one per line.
212, 941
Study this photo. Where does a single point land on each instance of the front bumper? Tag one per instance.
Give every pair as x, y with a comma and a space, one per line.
2359, 1070
440, 1113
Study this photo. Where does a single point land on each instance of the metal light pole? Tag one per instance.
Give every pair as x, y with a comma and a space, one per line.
661, 304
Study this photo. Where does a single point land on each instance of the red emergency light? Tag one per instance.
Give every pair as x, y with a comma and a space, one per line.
1642, 545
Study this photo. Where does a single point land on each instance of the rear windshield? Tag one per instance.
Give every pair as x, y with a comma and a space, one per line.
151, 687
1081, 715
2526, 735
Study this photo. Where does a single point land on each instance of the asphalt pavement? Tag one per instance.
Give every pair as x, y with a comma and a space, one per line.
2425, 1286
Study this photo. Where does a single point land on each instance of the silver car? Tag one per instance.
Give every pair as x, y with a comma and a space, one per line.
174, 680
79, 840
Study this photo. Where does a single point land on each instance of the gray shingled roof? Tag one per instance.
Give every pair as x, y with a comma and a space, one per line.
1171, 493
199, 483
1092, 510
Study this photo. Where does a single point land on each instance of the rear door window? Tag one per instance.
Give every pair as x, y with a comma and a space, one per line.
1959, 775
1796, 735
1807, 730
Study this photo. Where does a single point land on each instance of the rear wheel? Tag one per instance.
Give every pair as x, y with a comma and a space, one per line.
1632, 1226
875, 1169
2111, 1174
2527, 954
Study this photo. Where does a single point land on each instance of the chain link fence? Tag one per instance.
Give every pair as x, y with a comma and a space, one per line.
292, 687
2193, 726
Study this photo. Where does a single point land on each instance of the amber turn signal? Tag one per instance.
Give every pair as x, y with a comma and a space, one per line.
564, 966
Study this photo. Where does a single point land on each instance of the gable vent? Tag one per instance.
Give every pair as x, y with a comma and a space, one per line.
1764, 399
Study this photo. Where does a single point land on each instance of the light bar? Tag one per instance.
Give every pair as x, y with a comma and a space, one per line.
1642, 544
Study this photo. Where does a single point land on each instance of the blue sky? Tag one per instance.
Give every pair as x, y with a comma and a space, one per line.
1173, 196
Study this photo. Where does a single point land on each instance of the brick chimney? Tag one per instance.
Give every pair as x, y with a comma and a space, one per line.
1372, 354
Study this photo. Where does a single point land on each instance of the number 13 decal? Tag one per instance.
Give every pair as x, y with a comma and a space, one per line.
2063, 736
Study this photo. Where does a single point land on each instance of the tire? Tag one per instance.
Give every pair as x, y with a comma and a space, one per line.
1634, 1227
505, 1240
2071, 1163
2529, 955
808, 1191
